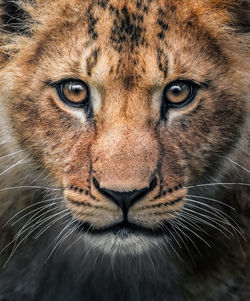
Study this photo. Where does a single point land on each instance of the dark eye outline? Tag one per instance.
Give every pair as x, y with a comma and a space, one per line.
59, 89
193, 92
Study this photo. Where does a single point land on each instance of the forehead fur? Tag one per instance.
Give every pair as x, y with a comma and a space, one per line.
159, 34
124, 21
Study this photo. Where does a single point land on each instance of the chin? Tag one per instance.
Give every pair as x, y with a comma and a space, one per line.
121, 245
122, 242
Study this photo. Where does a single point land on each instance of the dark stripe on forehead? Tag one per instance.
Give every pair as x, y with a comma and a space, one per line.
143, 5
164, 28
128, 30
162, 61
92, 23
103, 3
129, 82
92, 61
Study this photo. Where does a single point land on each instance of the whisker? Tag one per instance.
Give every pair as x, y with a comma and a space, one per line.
214, 224
12, 166
196, 221
10, 155
191, 222
197, 235
37, 211
72, 221
215, 184
22, 231
35, 218
223, 214
50, 224
79, 238
189, 217
31, 187
175, 228
209, 199
174, 236
37, 224
172, 247
216, 221
238, 165
186, 236
16, 247
41, 207
213, 215
23, 210
59, 240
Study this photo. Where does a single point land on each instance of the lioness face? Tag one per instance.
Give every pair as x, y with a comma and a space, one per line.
125, 105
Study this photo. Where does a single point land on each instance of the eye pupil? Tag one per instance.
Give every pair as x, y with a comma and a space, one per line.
76, 89
176, 90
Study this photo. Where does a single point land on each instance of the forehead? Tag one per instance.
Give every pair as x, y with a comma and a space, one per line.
126, 38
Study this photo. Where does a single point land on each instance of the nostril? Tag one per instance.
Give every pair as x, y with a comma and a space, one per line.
125, 199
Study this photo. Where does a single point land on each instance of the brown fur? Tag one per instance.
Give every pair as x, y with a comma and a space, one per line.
127, 51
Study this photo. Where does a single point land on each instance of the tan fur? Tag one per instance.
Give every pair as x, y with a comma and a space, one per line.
125, 145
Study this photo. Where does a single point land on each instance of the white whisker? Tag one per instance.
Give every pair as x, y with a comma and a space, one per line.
31, 187
60, 239
37, 209
197, 235
223, 214
12, 166
10, 155
51, 223
215, 184
186, 236
35, 218
174, 227
16, 247
25, 209
209, 199
215, 221
23, 230
191, 221
239, 165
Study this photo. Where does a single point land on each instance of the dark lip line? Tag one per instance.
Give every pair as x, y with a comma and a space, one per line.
126, 226
123, 226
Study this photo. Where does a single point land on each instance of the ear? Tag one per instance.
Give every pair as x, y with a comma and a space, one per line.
14, 19
240, 11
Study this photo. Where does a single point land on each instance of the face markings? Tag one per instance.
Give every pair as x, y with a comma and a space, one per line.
171, 190
163, 204
92, 61
129, 82
128, 30
162, 61
92, 21
103, 3
143, 5
161, 21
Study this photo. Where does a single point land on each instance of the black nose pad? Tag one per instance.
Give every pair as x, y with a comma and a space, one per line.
125, 199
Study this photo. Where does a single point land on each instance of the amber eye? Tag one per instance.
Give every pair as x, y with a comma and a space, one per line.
179, 93
74, 93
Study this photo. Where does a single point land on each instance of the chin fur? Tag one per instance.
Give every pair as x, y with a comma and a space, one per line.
122, 244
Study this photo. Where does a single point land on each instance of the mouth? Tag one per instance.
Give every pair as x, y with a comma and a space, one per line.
124, 230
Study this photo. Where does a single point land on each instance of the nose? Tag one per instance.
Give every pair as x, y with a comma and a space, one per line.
125, 199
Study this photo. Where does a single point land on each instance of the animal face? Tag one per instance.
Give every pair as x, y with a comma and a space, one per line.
125, 104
